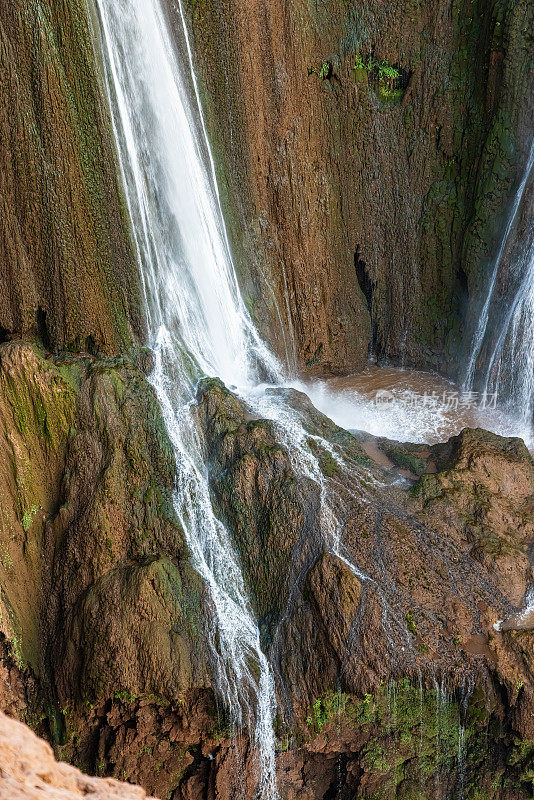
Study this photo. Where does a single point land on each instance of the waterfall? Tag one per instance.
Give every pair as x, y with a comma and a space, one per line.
511, 365
198, 324
510, 368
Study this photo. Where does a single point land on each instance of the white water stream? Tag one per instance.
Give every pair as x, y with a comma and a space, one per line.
510, 370
511, 365
199, 325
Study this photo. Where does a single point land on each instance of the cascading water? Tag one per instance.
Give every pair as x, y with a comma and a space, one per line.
199, 326
510, 366
197, 321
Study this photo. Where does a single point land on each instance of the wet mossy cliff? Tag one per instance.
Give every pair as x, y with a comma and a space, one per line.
371, 201
392, 681
67, 267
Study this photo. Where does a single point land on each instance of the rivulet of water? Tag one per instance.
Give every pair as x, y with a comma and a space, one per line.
510, 370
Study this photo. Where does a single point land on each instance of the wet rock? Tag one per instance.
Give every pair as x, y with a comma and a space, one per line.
68, 268
483, 497
373, 222
257, 494
336, 594
97, 595
411, 458
522, 621
120, 647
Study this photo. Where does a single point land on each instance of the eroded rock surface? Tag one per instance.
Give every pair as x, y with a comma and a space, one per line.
68, 266
382, 640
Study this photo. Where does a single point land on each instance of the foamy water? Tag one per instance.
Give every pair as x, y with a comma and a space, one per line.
411, 406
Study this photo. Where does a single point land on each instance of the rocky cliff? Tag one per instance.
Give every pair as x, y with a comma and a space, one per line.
68, 269
384, 669
28, 771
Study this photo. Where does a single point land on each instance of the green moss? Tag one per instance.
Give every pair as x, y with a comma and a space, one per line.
27, 518
326, 461
409, 734
125, 696
410, 623
404, 456
324, 71
388, 82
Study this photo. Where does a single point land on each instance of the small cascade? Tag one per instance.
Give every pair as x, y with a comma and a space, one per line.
465, 694
511, 365
451, 737
506, 338
441, 703
461, 762
521, 620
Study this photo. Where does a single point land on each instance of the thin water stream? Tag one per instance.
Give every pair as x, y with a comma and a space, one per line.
198, 326
511, 365
505, 333
484, 318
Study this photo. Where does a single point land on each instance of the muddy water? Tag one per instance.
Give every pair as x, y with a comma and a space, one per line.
411, 406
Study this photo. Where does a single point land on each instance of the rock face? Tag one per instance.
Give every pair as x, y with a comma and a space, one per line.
483, 492
68, 268
383, 646
373, 206
29, 771
415, 596
97, 593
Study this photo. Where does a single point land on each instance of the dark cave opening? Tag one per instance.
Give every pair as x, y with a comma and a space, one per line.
42, 327
367, 286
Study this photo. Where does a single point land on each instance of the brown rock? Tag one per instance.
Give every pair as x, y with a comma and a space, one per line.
353, 205
67, 268
28, 771
483, 496
336, 592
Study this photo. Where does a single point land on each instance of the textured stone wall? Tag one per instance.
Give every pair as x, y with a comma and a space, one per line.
67, 269
371, 207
